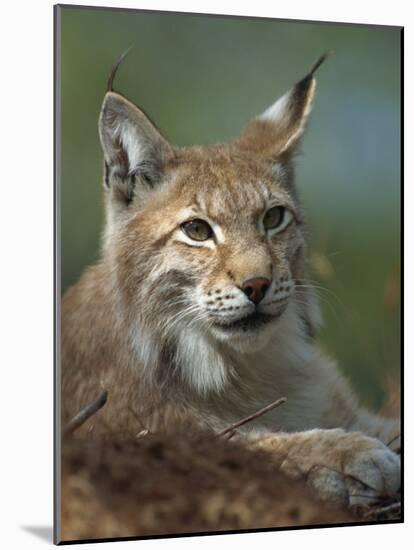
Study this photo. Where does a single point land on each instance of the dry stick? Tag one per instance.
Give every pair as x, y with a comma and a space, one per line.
251, 417
393, 439
85, 413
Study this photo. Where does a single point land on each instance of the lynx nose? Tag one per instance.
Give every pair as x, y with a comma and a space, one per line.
255, 289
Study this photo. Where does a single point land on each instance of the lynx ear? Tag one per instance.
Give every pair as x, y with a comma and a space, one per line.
134, 149
277, 131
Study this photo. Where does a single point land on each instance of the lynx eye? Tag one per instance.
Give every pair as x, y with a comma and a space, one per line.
197, 229
277, 217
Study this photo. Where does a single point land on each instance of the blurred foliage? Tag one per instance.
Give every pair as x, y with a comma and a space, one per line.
201, 78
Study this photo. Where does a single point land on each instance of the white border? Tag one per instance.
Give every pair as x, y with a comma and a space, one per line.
26, 267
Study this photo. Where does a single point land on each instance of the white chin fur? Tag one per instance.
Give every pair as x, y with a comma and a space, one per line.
245, 341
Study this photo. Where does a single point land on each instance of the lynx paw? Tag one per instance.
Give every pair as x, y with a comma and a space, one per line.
345, 467
362, 478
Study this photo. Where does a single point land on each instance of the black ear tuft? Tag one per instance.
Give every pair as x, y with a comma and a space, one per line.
110, 85
278, 130
319, 62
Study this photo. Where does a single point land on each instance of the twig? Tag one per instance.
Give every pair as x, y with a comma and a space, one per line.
231, 434
393, 439
84, 414
233, 427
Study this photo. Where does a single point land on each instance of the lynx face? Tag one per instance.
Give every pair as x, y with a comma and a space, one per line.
228, 229
206, 243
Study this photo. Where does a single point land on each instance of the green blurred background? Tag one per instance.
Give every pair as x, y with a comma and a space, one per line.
201, 78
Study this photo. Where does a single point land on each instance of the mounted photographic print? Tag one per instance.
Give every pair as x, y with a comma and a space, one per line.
228, 336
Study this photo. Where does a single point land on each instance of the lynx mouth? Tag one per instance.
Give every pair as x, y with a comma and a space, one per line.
254, 321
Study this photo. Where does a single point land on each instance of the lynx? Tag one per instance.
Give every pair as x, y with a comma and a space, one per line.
199, 308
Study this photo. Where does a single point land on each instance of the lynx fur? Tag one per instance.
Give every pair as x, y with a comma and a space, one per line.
177, 328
